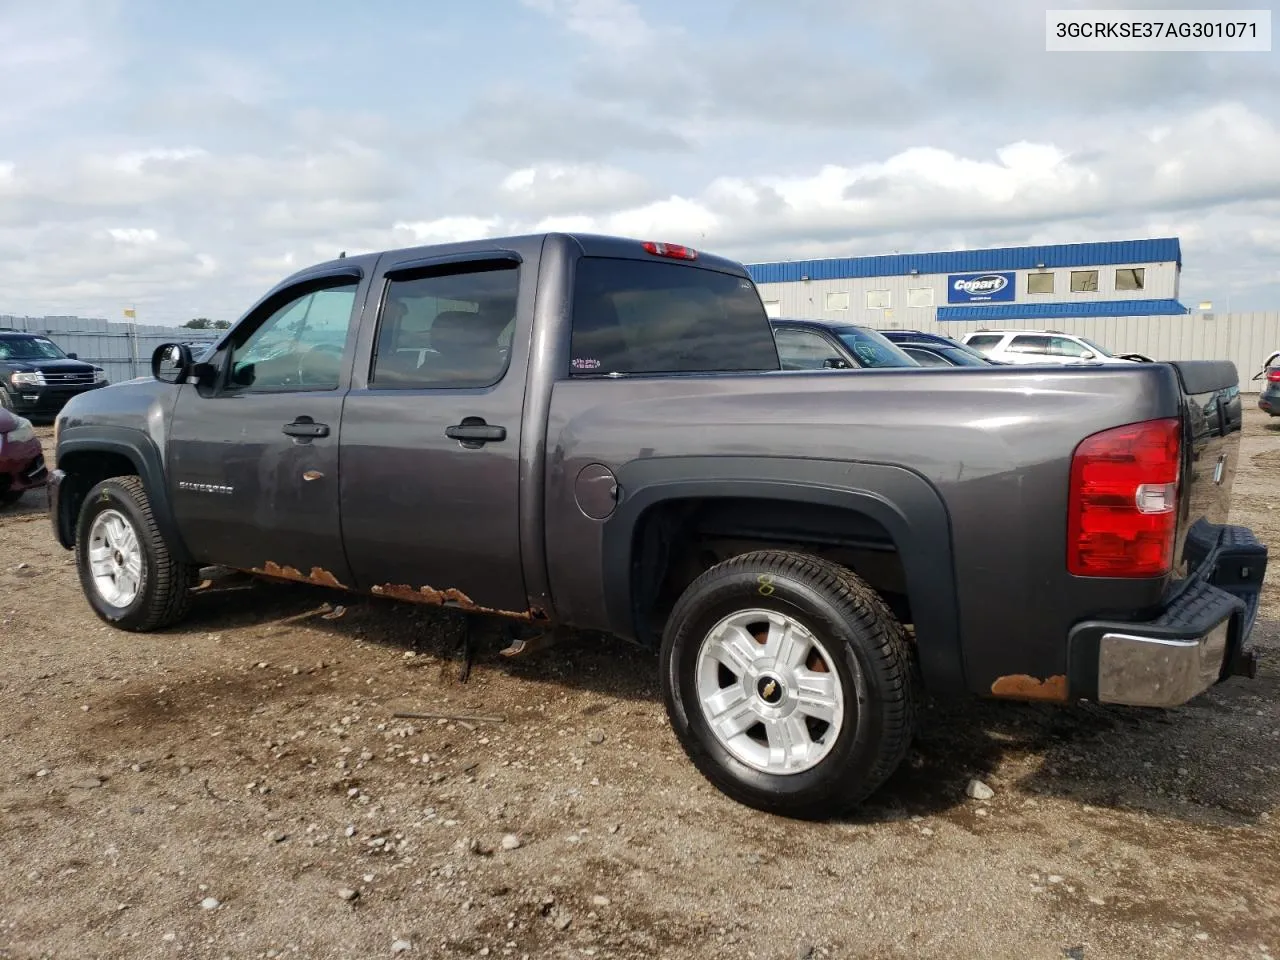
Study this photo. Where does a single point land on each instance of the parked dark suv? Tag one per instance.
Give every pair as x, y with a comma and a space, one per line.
36, 377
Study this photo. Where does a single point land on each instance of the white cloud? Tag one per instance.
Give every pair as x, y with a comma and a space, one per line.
613, 24
135, 235
448, 229
571, 188
825, 127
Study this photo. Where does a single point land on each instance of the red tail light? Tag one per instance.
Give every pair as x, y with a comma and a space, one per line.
1273, 376
672, 250
1122, 516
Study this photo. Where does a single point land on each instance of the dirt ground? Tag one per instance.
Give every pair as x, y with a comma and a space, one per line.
238, 787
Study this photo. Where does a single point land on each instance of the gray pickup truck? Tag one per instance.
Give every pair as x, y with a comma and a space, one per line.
590, 432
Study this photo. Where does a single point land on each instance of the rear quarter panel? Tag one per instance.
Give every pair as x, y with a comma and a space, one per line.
995, 444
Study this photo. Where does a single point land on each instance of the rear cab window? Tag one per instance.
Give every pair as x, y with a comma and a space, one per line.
645, 318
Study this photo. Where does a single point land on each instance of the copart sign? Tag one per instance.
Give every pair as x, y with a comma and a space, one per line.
980, 287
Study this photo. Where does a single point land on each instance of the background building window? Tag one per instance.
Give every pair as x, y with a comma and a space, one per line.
1040, 282
920, 297
877, 299
1084, 281
772, 308
838, 301
1130, 278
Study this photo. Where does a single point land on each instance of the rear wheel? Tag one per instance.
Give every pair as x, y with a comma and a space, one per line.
10, 497
788, 683
127, 572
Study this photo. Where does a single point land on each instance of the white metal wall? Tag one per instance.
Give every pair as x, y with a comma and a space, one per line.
1246, 339
809, 298
122, 349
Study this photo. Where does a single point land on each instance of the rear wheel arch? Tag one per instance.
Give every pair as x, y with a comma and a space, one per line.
895, 506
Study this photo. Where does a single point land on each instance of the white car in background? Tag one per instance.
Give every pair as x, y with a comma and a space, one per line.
1043, 346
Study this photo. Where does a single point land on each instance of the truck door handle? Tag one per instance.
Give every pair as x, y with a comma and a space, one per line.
306, 427
474, 432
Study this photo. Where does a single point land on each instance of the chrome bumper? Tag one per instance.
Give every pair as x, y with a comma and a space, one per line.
1158, 672
1200, 637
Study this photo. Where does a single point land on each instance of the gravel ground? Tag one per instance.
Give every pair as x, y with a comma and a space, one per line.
238, 787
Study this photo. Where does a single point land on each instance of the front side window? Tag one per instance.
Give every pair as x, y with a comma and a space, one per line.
299, 346
1064, 347
804, 350
641, 317
448, 327
29, 348
873, 349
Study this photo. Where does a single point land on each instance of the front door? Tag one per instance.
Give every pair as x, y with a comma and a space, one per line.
431, 434
253, 462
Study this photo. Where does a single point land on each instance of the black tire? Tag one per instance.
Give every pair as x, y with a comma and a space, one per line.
10, 497
870, 656
164, 594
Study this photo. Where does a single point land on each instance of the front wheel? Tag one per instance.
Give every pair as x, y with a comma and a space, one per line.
789, 683
127, 572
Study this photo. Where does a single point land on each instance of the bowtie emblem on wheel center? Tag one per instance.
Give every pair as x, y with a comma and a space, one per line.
770, 689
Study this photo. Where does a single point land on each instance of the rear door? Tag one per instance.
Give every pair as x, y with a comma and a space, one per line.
431, 430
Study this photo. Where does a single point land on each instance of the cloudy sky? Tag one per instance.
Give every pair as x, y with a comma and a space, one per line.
185, 156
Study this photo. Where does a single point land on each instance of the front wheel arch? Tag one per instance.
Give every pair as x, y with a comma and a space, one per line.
88, 455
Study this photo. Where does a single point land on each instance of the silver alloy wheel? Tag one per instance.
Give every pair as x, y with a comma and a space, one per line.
115, 558
769, 691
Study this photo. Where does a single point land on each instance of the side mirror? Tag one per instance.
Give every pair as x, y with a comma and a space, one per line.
73, 356
834, 363
1088, 355
172, 363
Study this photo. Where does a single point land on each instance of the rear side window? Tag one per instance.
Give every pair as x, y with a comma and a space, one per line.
447, 328
1029, 345
926, 358
984, 341
642, 317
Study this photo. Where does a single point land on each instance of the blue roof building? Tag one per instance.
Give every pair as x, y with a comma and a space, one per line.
1058, 282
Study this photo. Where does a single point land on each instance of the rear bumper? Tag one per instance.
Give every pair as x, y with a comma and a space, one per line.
1200, 637
1268, 405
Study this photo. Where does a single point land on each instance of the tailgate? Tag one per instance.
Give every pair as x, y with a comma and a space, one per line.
1211, 437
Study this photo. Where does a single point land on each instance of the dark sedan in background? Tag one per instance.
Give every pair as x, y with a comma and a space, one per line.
832, 345
935, 350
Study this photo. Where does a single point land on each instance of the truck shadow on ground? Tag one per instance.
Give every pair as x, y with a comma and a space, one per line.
1211, 762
